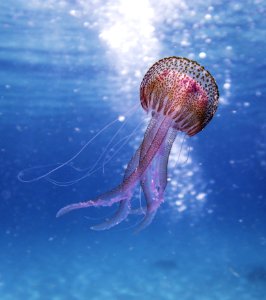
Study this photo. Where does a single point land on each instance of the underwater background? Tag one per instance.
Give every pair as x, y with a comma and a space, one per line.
69, 68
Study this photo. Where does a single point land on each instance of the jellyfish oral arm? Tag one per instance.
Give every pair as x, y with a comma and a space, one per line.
154, 180
154, 149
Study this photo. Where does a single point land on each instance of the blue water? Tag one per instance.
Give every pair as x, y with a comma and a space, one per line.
68, 68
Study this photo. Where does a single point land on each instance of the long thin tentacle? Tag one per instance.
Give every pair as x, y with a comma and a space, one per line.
58, 166
94, 168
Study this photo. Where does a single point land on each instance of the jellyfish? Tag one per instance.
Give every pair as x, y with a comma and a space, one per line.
181, 96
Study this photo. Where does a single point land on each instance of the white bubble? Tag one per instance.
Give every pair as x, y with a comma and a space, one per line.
201, 196
180, 196
202, 55
190, 173
208, 17
184, 43
223, 100
174, 182
137, 74
73, 12
121, 118
227, 86
182, 208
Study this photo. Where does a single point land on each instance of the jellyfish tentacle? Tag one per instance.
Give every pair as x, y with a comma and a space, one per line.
67, 162
94, 168
107, 199
149, 135
119, 216
152, 150
125, 206
124, 191
132, 165
155, 180
163, 162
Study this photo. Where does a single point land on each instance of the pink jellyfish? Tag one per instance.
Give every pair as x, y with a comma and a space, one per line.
181, 95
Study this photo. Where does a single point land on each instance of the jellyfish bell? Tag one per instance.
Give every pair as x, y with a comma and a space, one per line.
181, 96
182, 90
